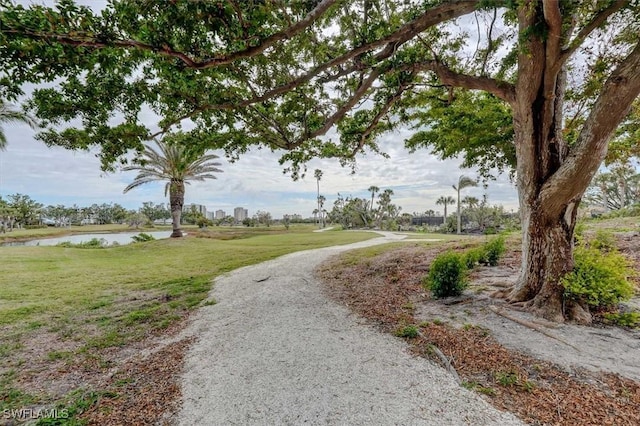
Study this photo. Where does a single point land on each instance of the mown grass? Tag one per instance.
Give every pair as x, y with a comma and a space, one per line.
93, 299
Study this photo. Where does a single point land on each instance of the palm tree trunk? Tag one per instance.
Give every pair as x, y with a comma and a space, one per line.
176, 200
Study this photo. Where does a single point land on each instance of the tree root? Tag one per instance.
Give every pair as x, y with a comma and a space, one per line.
530, 325
446, 362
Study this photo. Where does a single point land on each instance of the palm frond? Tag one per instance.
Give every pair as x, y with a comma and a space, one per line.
172, 162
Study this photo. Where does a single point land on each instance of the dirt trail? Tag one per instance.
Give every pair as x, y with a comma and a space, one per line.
275, 350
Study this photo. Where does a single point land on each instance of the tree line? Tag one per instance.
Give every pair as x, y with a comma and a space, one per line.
21, 211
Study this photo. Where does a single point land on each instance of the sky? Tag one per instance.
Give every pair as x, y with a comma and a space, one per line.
256, 182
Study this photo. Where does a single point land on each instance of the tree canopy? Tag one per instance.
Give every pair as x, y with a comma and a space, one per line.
282, 74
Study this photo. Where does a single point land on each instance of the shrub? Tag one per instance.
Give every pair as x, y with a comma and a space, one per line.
599, 278
142, 237
493, 251
624, 319
447, 275
473, 257
604, 241
409, 331
92, 243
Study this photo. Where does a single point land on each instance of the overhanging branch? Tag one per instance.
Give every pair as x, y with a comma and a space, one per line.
501, 89
599, 19
611, 106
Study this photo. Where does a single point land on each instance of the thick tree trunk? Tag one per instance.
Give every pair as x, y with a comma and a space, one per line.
176, 200
547, 255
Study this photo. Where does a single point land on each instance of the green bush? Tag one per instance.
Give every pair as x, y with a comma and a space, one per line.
447, 275
409, 331
142, 237
92, 243
624, 319
599, 278
474, 256
604, 240
493, 251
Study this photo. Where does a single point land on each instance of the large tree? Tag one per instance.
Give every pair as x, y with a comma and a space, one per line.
176, 165
282, 74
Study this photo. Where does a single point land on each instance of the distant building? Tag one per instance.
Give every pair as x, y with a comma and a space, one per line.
221, 214
427, 220
211, 216
240, 214
198, 208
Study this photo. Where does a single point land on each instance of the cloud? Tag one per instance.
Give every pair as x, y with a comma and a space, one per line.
256, 181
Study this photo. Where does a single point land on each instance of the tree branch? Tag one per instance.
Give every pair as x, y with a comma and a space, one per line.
597, 20
81, 41
612, 105
383, 111
553, 17
501, 89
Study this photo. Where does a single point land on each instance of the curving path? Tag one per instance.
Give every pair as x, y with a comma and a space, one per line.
274, 350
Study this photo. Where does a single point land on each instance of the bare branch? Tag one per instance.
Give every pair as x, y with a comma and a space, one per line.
553, 16
347, 106
501, 89
489, 43
613, 103
597, 20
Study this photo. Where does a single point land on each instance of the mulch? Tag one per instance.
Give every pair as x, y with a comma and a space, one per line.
386, 289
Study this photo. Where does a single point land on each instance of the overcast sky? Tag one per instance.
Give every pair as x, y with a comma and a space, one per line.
255, 182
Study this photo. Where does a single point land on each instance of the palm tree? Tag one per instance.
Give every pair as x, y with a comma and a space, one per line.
445, 201
373, 190
7, 115
463, 182
318, 175
177, 165
470, 201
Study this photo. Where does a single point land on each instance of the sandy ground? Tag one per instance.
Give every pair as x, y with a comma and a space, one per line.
596, 348
275, 350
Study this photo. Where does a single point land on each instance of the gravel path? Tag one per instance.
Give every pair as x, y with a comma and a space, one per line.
274, 350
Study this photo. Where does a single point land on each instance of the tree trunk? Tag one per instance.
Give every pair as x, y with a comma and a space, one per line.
176, 200
547, 255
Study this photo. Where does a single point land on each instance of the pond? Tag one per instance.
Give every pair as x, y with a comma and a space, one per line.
120, 238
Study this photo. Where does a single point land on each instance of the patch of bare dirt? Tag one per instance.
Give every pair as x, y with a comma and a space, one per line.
545, 373
132, 384
143, 391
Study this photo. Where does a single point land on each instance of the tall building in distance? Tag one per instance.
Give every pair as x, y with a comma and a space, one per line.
197, 207
221, 214
240, 214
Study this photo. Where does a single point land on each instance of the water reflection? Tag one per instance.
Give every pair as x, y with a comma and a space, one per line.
120, 238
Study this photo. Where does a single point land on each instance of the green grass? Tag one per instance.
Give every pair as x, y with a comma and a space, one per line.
41, 281
127, 291
91, 300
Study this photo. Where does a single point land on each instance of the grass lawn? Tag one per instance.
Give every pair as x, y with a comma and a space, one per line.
83, 301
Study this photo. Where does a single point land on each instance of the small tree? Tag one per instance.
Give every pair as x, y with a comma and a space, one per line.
318, 175
136, 220
175, 163
463, 182
445, 201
